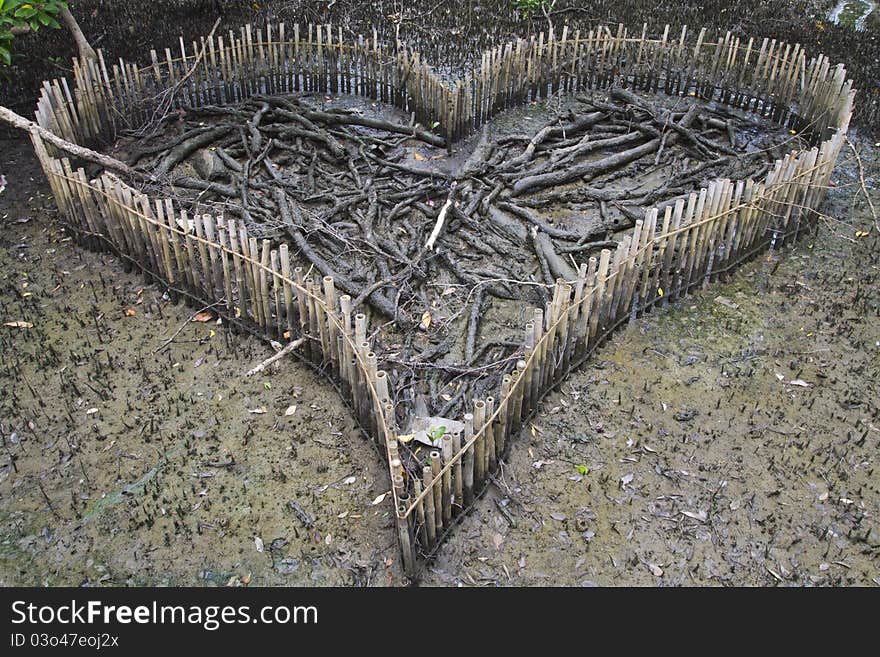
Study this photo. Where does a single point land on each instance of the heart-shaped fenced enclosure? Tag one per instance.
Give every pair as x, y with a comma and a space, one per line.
675, 247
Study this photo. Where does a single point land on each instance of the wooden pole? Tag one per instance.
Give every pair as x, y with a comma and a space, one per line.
430, 510
437, 490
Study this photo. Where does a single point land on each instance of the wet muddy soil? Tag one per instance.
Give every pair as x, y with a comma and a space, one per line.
135, 451
729, 440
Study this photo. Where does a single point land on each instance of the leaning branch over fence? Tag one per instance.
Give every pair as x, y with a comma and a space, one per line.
18, 121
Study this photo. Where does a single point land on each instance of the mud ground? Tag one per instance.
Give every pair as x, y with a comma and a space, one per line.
729, 440
134, 450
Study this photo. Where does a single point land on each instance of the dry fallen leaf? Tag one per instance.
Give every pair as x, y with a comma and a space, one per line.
290, 410
696, 515
656, 570
203, 316
19, 324
419, 156
405, 438
378, 499
258, 411
130, 312
259, 543
425, 324
349, 480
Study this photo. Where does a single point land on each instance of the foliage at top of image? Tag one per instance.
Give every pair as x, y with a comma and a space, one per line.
20, 17
531, 7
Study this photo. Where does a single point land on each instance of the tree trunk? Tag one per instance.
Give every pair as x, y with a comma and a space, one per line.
85, 49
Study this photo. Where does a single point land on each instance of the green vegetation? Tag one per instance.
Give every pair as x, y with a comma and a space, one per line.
20, 17
531, 7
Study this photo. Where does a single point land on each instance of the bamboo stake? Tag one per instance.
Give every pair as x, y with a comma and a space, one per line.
437, 488
430, 506
446, 493
468, 464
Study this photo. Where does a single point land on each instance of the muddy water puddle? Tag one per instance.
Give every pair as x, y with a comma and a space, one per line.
854, 14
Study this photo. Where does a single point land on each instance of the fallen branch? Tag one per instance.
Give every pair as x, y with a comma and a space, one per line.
185, 324
559, 268
329, 118
18, 121
441, 219
552, 231
477, 161
379, 301
591, 169
281, 354
863, 185
190, 146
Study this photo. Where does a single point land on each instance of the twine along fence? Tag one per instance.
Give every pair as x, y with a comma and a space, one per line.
674, 249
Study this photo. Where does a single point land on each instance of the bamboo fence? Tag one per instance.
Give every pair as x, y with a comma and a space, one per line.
212, 259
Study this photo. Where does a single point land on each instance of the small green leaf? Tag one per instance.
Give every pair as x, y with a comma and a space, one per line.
25, 12
582, 469
267, 385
